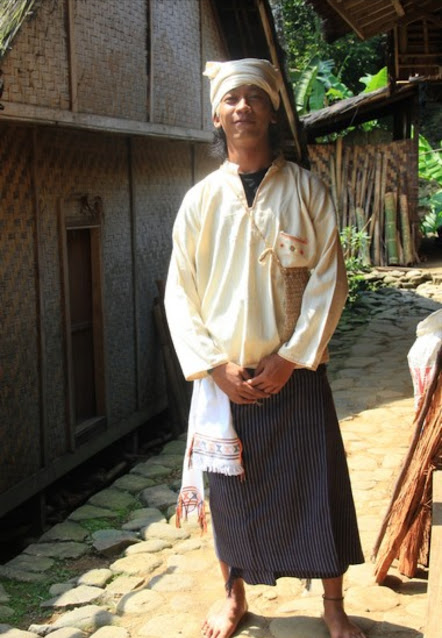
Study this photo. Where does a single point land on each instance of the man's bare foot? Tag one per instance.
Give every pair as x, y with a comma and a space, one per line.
224, 617
337, 621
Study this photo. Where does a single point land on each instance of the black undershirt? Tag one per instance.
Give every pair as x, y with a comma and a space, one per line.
251, 182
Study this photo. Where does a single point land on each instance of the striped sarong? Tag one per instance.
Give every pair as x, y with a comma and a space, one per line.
293, 515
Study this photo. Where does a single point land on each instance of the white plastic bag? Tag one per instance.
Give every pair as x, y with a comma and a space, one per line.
423, 353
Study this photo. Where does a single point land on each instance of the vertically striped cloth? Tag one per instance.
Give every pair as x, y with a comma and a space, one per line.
294, 514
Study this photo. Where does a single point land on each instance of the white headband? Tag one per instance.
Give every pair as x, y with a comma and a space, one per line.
225, 76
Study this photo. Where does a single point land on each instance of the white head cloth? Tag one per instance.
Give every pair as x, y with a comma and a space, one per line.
225, 76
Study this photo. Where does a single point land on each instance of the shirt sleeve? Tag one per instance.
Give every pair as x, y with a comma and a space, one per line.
196, 349
326, 291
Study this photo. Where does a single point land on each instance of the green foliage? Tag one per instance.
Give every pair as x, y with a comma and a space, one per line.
376, 81
304, 41
430, 169
317, 86
354, 243
430, 161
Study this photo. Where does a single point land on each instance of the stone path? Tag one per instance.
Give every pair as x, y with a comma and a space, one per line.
154, 580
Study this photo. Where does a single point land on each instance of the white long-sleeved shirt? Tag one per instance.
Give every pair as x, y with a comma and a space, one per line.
225, 291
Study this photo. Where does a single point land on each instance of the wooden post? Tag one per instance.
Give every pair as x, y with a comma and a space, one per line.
432, 628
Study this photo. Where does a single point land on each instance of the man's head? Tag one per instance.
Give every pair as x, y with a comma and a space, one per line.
245, 98
225, 76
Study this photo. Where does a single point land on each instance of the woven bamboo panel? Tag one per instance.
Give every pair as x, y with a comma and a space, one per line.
19, 359
176, 63
36, 68
72, 164
360, 176
212, 49
110, 52
162, 175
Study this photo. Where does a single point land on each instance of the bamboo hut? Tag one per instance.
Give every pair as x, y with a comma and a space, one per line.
105, 124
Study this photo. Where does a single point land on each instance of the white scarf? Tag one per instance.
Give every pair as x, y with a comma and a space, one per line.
212, 446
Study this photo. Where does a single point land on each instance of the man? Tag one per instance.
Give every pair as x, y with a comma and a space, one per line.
255, 289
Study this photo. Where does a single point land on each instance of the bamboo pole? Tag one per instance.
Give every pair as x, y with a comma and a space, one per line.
332, 169
390, 229
362, 225
405, 229
344, 189
339, 181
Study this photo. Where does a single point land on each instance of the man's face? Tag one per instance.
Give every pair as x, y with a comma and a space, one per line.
244, 114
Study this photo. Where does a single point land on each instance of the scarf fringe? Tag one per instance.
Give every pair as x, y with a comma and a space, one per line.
190, 499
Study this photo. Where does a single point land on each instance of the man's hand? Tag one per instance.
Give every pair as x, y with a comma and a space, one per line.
272, 374
234, 381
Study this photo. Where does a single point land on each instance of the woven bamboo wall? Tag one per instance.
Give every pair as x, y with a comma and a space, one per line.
36, 68
19, 386
361, 176
176, 64
110, 45
66, 164
111, 63
162, 173
212, 49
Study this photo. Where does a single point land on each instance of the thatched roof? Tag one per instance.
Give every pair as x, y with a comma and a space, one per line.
12, 15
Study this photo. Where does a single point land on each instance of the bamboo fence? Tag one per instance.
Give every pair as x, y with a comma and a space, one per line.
374, 189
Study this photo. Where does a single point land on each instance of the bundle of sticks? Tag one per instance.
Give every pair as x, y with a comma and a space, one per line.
405, 531
376, 212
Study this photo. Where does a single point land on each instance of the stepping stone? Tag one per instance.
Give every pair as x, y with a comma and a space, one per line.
151, 471
124, 584
143, 517
4, 596
138, 564
66, 531
111, 632
57, 550
81, 595
160, 496
60, 588
114, 499
172, 582
112, 541
164, 532
21, 575
182, 625
133, 483
88, 618
68, 632
373, 598
88, 512
30, 563
174, 461
95, 577
148, 547
10, 632
140, 602
174, 447
298, 627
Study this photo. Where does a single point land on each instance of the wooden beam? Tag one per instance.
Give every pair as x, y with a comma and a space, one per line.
418, 14
398, 7
344, 15
432, 629
72, 57
41, 312
295, 130
31, 114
